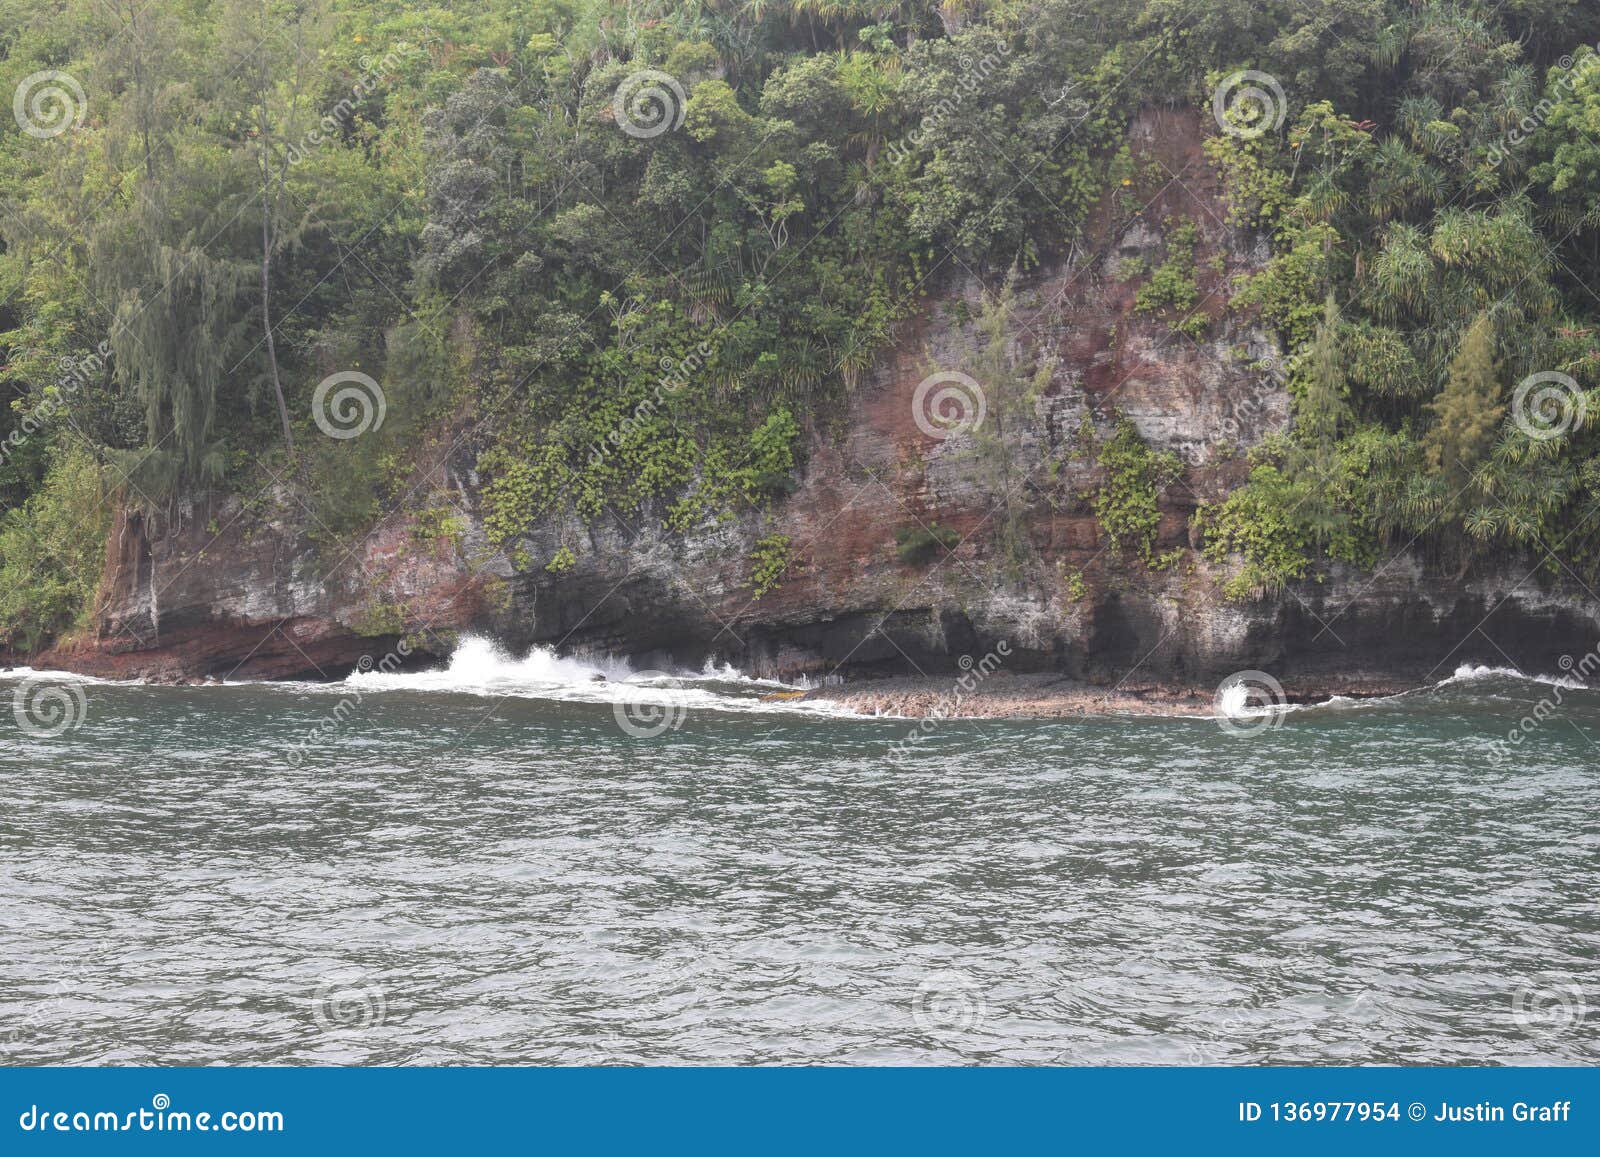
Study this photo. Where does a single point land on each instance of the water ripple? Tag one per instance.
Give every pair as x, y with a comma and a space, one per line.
451, 879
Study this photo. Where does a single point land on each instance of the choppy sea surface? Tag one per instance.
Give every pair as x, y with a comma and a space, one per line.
512, 862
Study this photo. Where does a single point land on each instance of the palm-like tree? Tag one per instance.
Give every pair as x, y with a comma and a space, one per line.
872, 82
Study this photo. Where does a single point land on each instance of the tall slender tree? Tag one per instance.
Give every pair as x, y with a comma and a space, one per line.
269, 75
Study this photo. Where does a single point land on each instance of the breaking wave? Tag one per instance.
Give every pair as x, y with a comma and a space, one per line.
1474, 673
480, 666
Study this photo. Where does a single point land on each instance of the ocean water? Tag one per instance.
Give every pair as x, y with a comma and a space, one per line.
512, 862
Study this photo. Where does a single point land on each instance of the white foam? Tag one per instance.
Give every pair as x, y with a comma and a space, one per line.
1359, 702
481, 667
21, 673
1234, 702
1473, 673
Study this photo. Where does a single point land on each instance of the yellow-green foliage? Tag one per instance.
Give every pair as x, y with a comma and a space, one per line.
647, 341
1172, 287
1128, 503
380, 618
1277, 523
1257, 522
438, 524
773, 555
52, 550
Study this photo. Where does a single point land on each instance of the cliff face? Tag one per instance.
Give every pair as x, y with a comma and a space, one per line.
240, 592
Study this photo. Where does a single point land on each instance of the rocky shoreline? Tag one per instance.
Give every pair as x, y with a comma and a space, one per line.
999, 695
1064, 621
226, 588
1050, 696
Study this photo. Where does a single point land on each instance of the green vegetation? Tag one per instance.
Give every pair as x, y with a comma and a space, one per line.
614, 321
381, 618
773, 556
1172, 289
919, 544
51, 552
438, 525
1127, 503
1009, 392
1257, 522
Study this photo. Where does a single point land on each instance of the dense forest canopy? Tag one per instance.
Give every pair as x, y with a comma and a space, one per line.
626, 255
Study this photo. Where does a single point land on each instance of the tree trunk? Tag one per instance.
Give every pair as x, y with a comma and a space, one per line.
266, 299
272, 352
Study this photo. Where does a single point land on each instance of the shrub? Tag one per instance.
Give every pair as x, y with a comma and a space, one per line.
919, 543
52, 550
1128, 505
772, 556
